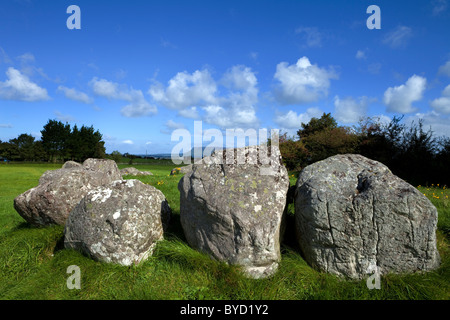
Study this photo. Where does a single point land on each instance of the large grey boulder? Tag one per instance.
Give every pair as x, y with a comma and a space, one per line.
354, 216
59, 191
233, 210
118, 223
131, 171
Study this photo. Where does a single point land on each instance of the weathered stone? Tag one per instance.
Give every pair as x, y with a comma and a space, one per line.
71, 164
352, 215
118, 223
233, 211
59, 191
134, 172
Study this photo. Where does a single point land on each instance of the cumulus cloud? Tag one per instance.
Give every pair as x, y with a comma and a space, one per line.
399, 99
185, 90
398, 37
138, 105
130, 142
292, 120
445, 69
75, 95
197, 96
19, 87
350, 110
442, 104
301, 82
191, 113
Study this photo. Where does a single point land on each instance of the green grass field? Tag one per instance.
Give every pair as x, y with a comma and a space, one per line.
33, 263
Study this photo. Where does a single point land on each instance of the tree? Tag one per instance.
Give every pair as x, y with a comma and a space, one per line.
325, 122
293, 152
54, 139
116, 156
74, 144
61, 142
25, 147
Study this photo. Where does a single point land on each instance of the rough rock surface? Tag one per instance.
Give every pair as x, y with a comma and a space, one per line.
233, 210
353, 214
118, 223
71, 164
134, 172
59, 191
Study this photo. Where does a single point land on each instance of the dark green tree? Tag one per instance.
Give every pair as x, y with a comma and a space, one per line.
25, 147
325, 122
54, 139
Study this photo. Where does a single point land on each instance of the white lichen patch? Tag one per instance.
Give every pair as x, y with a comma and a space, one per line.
116, 215
100, 195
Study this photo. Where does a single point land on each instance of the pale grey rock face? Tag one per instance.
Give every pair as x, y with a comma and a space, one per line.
118, 223
59, 191
352, 213
234, 213
134, 172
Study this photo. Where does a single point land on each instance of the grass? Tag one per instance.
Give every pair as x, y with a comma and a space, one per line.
33, 263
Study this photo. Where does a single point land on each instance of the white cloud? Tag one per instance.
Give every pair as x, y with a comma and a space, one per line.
197, 96
398, 37
138, 106
442, 104
360, 55
191, 113
301, 82
19, 87
185, 90
399, 99
350, 110
6, 126
439, 124
311, 35
292, 120
75, 95
445, 69
130, 142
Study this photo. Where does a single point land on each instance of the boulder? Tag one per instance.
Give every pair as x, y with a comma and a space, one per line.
71, 164
233, 211
352, 215
134, 172
118, 223
59, 191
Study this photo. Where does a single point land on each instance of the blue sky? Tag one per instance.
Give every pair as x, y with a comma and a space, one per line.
137, 70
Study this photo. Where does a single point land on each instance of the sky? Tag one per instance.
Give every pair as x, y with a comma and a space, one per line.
138, 70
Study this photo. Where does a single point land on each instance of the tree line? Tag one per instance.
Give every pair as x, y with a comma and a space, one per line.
411, 152
59, 142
